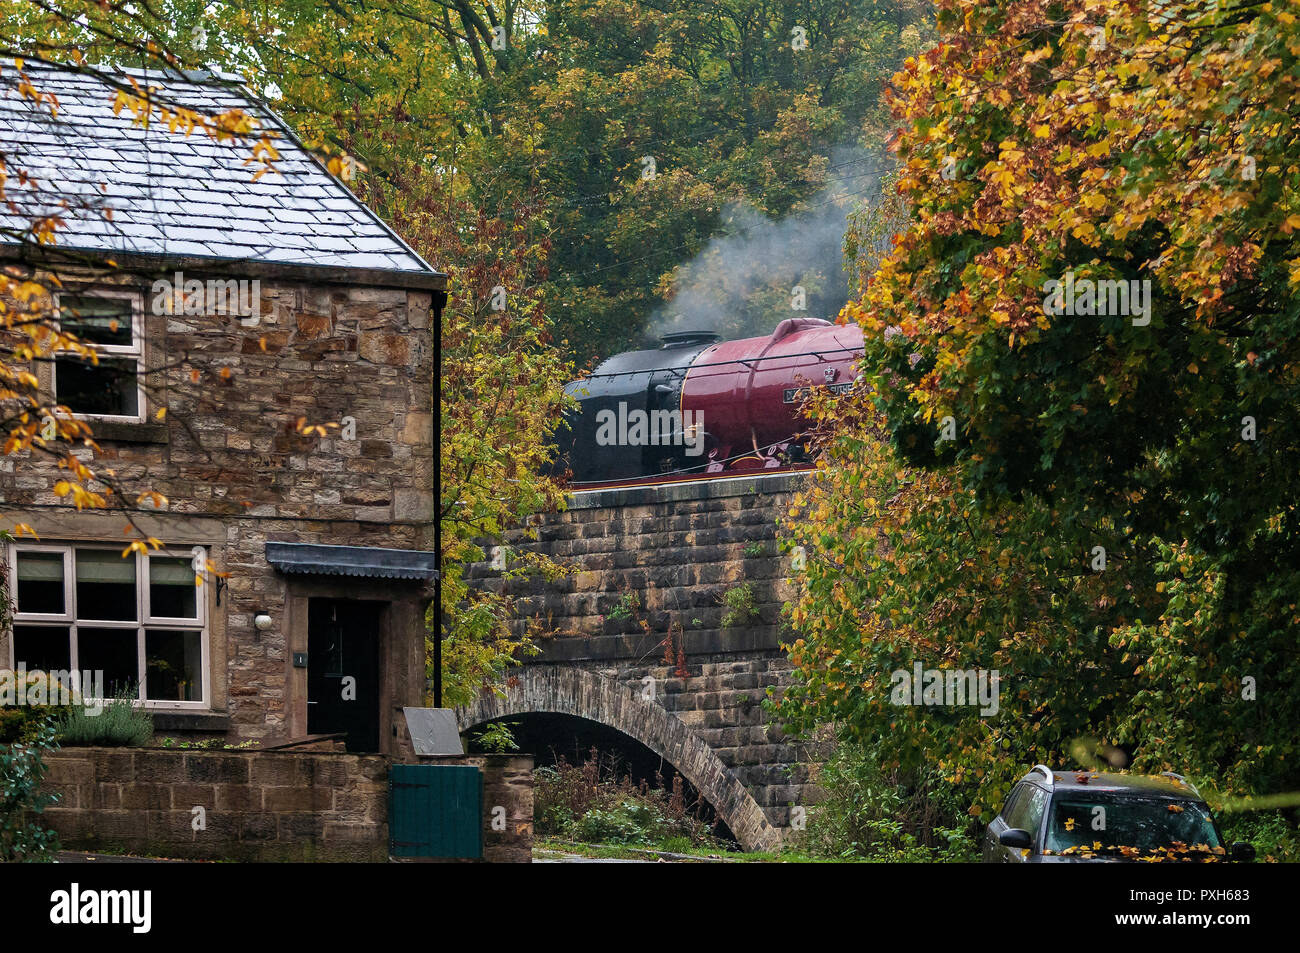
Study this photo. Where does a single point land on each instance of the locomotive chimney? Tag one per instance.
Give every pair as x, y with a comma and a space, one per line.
686, 338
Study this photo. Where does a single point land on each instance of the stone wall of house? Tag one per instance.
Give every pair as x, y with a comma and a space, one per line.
655, 560
258, 805
237, 397
237, 470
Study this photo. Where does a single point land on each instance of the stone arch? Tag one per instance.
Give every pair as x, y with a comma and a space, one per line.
573, 691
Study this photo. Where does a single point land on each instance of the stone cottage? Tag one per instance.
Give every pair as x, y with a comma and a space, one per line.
286, 331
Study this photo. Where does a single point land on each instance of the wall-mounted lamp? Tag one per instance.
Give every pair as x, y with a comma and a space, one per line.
261, 621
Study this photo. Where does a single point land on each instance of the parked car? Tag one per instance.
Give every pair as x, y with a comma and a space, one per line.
1063, 816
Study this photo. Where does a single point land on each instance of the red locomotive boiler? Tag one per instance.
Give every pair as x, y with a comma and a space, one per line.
697, 406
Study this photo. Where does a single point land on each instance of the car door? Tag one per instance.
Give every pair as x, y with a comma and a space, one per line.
1027, 815
994, 852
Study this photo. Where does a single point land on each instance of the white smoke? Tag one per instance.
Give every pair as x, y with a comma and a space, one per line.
745, 280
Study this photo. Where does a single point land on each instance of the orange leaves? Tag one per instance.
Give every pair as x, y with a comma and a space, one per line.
301, 426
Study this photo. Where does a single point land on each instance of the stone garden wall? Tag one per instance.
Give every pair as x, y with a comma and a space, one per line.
258, 805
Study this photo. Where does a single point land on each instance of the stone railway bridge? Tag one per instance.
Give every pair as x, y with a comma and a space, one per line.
650, 559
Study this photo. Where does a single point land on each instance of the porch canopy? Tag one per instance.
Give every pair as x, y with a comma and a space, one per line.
370, 561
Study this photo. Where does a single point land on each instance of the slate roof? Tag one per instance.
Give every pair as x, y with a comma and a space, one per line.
177, 196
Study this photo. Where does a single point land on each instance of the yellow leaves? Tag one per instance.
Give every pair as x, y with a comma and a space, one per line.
1086, 232
1291, 223
28, 290
81, 497
1042, 131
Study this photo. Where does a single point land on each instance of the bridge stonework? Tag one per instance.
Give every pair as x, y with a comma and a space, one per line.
651, 561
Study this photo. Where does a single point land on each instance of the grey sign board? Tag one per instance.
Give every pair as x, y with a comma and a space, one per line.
433, 730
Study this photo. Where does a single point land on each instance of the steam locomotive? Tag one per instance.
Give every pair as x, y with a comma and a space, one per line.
700, 407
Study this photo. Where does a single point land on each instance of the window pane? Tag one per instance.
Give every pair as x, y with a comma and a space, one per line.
105, 585
40, 582
96, 320
42, 647
172, 591
114, 652
107, 388
174, 663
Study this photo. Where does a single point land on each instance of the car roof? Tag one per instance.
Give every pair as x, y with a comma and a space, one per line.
1170, 786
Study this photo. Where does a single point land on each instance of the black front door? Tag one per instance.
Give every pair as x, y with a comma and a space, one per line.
343, 670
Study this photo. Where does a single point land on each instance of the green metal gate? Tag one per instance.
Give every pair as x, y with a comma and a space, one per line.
435, 810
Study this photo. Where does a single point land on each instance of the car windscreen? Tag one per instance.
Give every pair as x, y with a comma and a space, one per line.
1110, 822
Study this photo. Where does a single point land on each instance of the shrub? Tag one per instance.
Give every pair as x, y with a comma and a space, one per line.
120, 724
22, 769
597, 802
497, 738
880, 815
630, 822
1274, 834
23, 722
626, 607
740, 608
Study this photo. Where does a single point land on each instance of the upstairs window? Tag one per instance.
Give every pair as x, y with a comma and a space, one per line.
110, 389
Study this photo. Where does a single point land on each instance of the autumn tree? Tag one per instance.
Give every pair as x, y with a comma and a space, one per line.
1092, 495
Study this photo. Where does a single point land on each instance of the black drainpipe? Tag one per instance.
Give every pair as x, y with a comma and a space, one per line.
439, 302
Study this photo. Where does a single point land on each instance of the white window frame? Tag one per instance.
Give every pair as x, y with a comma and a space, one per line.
141, 624
118, 351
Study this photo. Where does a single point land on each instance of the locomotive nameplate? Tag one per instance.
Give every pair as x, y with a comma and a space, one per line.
793, 394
